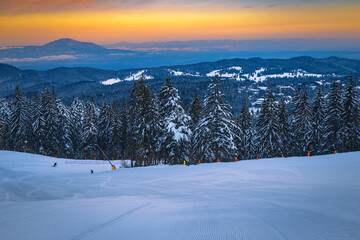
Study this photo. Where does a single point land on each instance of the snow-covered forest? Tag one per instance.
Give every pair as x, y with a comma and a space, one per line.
153, 128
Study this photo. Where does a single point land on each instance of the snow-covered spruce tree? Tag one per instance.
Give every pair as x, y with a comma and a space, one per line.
37, 121
317, 145
2, 129
215, 133
20, 122
96, 108
295, 112
268, 129
351, 119
5, 114
90, 132
195, 115
131, 146
284, 127
302, 124
246, 148
50, 136
77, 116
66, 129
175, 125
147, 125
195, 111
105, 126
333, 116
123, 128
115, 138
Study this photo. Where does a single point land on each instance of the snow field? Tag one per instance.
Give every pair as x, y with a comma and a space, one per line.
133, 77
281, 198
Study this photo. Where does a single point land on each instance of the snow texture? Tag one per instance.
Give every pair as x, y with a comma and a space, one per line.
282, 198
234, 73
133, 77
257, 77
180, 73
111, 81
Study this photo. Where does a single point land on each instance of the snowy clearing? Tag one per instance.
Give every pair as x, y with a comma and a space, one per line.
111, 81
133, 77
180, 73
137, 75
257, 77
291, 198
234, 74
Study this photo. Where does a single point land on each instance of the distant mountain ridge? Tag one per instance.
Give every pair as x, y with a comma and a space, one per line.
68, 52
241, 79
64, 46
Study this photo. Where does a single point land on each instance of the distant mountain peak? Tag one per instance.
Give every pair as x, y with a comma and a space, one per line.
68, 42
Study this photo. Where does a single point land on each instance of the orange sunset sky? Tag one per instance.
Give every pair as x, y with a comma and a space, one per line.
26, 22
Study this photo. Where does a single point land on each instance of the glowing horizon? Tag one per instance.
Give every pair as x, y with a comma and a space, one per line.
90, 21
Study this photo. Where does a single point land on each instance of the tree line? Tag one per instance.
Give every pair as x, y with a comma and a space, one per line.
153, 128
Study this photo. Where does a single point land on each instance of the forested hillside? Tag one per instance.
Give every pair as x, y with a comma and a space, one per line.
154, 128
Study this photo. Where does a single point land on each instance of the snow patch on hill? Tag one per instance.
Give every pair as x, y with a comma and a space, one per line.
257, 77
137, 76
180, 73
231, 72
133, 77
111, 81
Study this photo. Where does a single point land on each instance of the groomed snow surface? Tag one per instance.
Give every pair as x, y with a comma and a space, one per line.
291, 198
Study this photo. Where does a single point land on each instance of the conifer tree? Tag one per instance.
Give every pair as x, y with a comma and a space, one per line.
317, 145
131, 132
76, 119
50, 128
20, 121
302, 123
116, 138
295, 113
245, 133
306, 123
66, 128
147, 125
284, 127
123, 120
215, 133
351, 119
37, 121
175, 124
269, 142
4, 123
105, 126
90, 131
195, 111
2, 130
334, 111
195, 115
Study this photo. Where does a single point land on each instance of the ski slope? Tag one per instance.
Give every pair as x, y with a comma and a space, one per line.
291, 198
